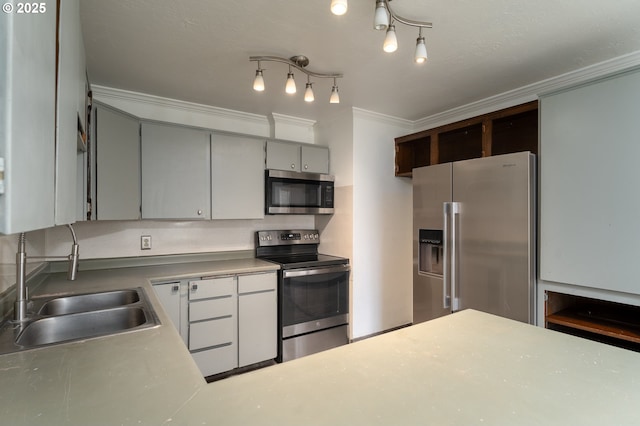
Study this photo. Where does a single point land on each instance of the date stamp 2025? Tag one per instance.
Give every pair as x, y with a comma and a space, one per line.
24, 8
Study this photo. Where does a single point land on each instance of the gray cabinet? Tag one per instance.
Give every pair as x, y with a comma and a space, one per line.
237, 177
27, 119
71, 97
297, 157
117, 155
257, 318
589, 206
175, 172
314, 159
225, 321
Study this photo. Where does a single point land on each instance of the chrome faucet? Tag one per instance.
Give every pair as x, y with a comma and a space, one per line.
22, 294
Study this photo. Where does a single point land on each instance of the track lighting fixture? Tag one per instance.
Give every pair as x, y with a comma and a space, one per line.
335, 97
338, 7
258, 82
298, 62
384, 18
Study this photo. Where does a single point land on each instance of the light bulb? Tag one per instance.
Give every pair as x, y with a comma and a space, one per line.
338, 7
380, 18
335, 97
258, 82
308, 93
390, 41
290, 87
421, 51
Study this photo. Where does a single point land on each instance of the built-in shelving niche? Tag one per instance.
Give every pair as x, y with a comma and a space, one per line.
613, 323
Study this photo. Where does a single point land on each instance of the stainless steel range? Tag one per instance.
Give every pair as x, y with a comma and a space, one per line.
313, 292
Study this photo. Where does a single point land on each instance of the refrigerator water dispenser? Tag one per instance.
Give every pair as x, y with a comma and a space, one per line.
431, 251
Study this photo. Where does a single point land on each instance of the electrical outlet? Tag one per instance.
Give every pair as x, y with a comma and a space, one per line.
145, 242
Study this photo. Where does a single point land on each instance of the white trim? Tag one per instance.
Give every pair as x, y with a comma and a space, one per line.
531, 92
164, 109
371, 115
288, 119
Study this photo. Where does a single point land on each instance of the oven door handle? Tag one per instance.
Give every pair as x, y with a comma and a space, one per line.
315, 271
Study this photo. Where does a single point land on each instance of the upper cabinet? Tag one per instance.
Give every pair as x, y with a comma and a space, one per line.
71, 112
176, 179
297, 157
27, 119
117, 158
509, 130
589, 207
237, 177
39, 135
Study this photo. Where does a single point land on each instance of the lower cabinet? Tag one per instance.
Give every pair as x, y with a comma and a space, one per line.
225, 321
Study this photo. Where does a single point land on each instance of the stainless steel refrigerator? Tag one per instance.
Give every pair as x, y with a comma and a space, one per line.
474, 237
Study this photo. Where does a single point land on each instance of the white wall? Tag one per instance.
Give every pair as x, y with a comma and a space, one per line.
383, 290
104, 239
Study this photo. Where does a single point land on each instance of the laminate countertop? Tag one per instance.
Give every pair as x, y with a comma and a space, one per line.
464, 369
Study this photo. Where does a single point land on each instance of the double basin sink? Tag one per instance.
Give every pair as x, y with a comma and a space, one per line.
69, 318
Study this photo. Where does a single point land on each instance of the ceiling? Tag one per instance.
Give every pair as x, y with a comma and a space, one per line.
198, 51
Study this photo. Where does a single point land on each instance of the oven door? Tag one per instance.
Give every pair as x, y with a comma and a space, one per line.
314, 299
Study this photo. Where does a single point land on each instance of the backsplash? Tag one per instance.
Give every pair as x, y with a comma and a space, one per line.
107, 239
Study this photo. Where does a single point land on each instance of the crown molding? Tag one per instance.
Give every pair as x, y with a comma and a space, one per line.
532, 91
378, 117
105, 94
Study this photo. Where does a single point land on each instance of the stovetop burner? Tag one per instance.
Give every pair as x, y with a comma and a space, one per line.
305, 261
294, 249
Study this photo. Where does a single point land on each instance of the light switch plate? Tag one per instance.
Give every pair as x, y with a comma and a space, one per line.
145, 242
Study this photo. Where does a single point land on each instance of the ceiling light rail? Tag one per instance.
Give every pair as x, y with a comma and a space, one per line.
298, 62
384, 19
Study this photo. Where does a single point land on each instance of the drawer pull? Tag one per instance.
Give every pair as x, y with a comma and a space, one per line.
194, 287
175, 288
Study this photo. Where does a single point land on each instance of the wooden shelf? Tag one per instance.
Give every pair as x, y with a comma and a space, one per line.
501, 132
616, 321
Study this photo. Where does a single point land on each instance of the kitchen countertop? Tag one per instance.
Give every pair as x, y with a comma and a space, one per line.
467, 368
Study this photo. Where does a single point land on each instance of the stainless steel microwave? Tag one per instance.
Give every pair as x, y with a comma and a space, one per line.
298, 192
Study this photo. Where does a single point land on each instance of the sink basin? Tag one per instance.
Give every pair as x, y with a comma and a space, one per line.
89, 302
82, 325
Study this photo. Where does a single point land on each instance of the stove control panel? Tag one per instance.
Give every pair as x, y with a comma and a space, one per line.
287, 237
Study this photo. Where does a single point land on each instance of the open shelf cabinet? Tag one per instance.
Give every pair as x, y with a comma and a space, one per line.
614, 323
506, 131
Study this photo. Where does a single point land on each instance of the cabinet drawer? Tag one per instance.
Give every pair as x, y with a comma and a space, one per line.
211, 308
257, 282
218, 360
212, 333
213, 287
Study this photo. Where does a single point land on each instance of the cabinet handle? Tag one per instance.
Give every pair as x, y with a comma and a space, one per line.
306, 166
194, 287
199, 212
293, 165
175, 288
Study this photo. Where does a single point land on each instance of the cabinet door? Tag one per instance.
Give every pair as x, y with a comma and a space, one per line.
315, 159
71, 79
237, 177
283, 156
118, 165
589, 209
27, 119
176, 181
172, 296
257, 318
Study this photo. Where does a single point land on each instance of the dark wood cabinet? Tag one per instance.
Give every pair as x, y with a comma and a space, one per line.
608, 322
505, 131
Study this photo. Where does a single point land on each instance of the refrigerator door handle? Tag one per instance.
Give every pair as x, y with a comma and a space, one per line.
449, 277
454, 211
